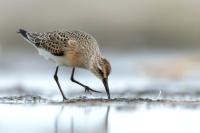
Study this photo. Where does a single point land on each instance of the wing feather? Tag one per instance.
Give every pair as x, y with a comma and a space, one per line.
54, 42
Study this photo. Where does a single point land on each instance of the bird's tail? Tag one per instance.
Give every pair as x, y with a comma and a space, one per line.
23, 33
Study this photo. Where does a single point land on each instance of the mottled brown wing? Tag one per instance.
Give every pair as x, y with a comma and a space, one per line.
54, 42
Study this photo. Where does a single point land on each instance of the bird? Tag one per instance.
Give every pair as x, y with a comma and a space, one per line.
71, 48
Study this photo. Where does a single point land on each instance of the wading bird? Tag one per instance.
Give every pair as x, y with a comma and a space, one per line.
72, 49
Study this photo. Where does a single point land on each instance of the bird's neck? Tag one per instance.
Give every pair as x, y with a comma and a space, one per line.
95, 61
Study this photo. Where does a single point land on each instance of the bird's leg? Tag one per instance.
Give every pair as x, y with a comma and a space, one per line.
56, 79
87, 89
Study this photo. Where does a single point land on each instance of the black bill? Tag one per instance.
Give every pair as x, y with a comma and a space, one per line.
105, 82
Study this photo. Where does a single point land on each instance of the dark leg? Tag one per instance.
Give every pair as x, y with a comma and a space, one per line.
56, 79
87, 89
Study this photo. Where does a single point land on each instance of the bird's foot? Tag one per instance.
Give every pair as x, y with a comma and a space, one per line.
89, 90
64, 98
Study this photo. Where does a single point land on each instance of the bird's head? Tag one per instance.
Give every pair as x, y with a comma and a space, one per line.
102, 69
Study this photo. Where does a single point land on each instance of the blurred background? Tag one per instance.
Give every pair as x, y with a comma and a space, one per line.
153, 46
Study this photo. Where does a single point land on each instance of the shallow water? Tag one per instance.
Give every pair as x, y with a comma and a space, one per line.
119, 115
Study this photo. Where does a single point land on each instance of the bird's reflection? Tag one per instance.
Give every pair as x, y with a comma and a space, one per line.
72, 125
82, 119
106, 119
57, 119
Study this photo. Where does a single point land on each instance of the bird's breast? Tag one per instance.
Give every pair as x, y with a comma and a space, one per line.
76, 58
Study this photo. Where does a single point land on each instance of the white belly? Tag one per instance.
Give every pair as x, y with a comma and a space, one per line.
59, 60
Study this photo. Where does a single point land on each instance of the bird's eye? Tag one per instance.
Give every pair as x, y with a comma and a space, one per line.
100, 72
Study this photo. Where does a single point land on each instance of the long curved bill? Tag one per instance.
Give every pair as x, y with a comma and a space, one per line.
105, 83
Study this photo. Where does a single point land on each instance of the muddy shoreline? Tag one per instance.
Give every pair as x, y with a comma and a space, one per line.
128, 101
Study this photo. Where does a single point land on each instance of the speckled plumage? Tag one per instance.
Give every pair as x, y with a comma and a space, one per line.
57, 41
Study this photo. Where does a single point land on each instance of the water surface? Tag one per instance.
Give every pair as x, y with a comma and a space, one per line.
119, 115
